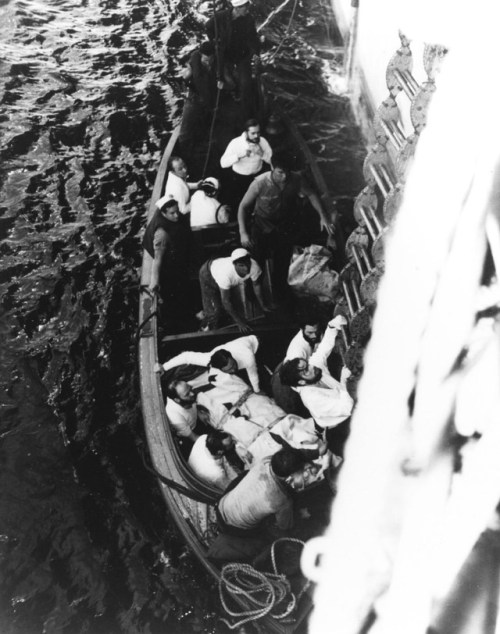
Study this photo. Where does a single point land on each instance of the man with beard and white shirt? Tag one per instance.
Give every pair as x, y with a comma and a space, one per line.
183, 414
306, 340
301, 346
244, 158
327, 399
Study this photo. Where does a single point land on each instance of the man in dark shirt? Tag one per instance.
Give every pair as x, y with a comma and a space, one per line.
167, 240
234, 33
274, 199
201, 77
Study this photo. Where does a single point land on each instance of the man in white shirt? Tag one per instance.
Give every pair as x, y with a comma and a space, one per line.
306, 340
211, 459
327, 399
238, 354
177, 186
218, 277
244, 157
301, 346
205, 207
182, 413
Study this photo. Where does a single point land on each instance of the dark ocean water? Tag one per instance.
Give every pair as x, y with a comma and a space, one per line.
89, 94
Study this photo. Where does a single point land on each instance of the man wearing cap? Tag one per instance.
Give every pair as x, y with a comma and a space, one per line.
167, 240
201, 77
218, 277
233, 31
244, 157
205, 208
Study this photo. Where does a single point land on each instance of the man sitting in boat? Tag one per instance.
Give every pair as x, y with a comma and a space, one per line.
201, 77
183, 415
205, 208
177, 186
306, 341
327, 399
214, 460
257, 424
235, 408
167, 240
273, 198
218, 277
230, 357
244, 158
261, 495
235, 35
302, 346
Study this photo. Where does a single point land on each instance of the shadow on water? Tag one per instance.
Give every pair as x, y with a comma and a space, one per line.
89, 95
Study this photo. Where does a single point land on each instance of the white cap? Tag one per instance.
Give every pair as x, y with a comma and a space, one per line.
238, 3
212, 181
238, 254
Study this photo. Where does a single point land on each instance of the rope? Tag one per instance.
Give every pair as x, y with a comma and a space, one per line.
154, 312
218, 68
210, 136
262, 591
283, 39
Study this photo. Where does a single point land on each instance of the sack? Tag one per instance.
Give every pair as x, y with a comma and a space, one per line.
309, 273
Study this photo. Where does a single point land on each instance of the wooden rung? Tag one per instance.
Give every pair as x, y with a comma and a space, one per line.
358, 262
368, 225
407, 83
348, 298
391, 132
364, 255
378, 179
356, 295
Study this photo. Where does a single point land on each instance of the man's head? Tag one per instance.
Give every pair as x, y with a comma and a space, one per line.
240, 7
252, 130
286, 461
178, 167
181, 392
207, 52
242, 261
298, 372
224, 361
170, 210
311, 329
210, 186
281, 168
218, 443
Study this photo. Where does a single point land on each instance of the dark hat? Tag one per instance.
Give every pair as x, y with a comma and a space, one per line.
207, 48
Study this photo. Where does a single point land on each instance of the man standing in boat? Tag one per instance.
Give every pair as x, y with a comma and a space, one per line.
235, 35
274, 199
327, 399
218, 277
167, 240
203, 83
244, 157
177, 185
302, 346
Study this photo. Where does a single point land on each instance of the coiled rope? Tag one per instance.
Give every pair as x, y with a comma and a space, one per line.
262, 591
